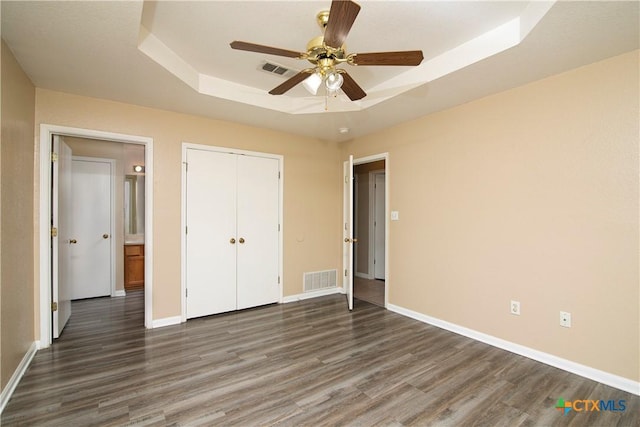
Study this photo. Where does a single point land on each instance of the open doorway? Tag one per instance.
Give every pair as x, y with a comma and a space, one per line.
127, 205
95, 147
369, 222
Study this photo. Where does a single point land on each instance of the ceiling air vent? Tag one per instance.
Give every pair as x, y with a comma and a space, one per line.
272, 68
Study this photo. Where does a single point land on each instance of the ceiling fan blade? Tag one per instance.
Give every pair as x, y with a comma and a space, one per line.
284, 87
409, 57
252, 47
351, 88
341, 17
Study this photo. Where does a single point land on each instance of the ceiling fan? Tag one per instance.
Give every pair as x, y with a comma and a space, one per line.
328, 51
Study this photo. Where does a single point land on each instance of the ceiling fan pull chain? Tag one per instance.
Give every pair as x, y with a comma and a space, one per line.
326, 99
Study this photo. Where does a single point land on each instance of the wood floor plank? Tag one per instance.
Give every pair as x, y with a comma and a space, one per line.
309, 363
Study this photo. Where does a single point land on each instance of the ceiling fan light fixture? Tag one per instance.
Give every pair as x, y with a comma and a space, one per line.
312, 83
333, 81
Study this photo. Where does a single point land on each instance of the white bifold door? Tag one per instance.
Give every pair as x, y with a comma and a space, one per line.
232, 232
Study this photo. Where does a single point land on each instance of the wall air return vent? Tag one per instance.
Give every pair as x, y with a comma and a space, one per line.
319, 280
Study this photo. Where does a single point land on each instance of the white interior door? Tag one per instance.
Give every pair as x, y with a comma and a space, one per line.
91, 263
257, 215
211, 232
379, 226
348, 231
61, 219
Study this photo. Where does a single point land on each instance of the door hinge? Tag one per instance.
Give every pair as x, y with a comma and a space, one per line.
54, 306
54, 157
186, 230
346, 179
186, 166
345, 273
54, 232
186, 292
278, 227
278, 175
278, 280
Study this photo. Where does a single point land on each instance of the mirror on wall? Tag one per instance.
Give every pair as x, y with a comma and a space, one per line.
134, 204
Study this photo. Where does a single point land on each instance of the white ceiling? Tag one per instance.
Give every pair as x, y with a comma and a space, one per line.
176, 55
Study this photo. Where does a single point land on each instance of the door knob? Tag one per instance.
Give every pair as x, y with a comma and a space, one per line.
105, 236
241, 240
73, 241
348, 240
232, 241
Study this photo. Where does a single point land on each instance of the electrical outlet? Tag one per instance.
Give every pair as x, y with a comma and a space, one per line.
515, 307
565, 319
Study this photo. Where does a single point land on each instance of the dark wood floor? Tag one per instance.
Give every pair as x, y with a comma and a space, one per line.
369, 290
308, 363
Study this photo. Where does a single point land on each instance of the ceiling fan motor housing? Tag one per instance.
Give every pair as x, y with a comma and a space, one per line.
322, 55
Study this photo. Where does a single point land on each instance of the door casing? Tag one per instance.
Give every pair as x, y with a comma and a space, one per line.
387, 175
44, 240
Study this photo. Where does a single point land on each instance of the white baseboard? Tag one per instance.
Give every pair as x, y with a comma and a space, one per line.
167, 321
314, 294
119, 293
7, 392
364, 276
603, 377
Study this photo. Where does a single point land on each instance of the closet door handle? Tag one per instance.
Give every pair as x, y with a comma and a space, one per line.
232, 241
241, 240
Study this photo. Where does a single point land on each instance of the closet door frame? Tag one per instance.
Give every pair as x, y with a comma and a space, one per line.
183, 215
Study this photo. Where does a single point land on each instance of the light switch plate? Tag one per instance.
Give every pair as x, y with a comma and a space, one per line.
395, 215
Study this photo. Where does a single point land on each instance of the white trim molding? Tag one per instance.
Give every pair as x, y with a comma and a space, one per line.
44, 207
8, 390
603, 377
313, 294
119, 293
166, 321
387, 226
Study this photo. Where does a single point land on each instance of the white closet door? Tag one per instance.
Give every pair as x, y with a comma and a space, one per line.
211, 226
258, 201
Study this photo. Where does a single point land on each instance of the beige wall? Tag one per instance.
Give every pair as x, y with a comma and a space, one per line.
108, 150
531, 195
16, 217
312, 238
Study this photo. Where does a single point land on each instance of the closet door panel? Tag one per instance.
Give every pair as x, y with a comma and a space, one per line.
211, 224
258, 204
